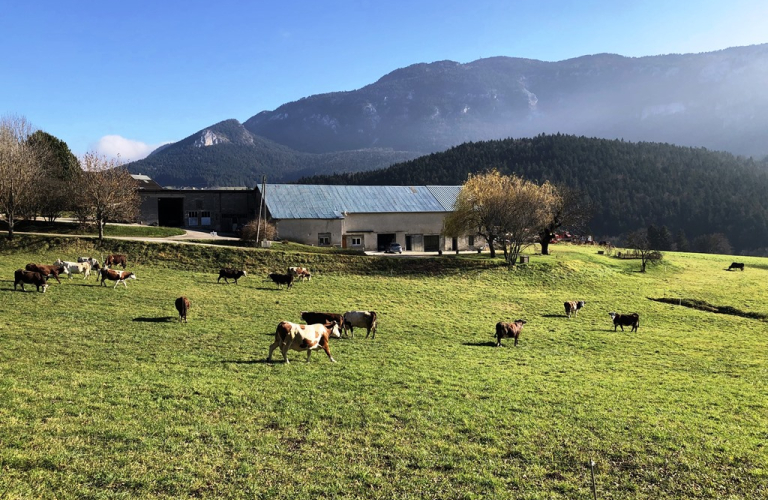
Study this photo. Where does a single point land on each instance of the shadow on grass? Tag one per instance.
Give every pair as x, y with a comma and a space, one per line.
262, 361
159, 319
490, 343
553, 316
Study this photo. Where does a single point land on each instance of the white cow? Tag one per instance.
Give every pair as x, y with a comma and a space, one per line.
71, 268
304, 338
361, 319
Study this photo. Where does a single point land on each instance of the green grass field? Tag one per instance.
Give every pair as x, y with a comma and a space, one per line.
103, 394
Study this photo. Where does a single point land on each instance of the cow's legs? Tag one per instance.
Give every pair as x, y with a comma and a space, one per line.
272, 348
327, 349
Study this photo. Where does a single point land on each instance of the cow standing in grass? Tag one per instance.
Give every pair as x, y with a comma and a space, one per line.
31, 278
572, 307
509, 331
303, 338
622, 320
231, 274
182, 305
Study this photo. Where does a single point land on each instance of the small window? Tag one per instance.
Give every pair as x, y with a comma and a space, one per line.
356, 241
205, 218
192, 219
324, 239
471, 241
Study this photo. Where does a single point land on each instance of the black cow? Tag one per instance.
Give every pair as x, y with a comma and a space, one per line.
622, 320
312, 318
229, 273
281, 279
736, 265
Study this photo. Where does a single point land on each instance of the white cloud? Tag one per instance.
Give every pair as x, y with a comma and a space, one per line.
128, 149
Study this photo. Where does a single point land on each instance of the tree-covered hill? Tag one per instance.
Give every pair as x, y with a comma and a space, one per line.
632, 185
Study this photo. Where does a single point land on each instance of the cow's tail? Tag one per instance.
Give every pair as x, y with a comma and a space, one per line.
373, 319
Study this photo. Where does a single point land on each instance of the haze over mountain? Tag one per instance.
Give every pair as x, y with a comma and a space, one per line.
716, 100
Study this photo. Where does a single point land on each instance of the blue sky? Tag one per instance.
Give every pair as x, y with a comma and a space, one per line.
125, 77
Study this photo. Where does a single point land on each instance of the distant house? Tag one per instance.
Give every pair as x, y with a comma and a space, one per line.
365, 217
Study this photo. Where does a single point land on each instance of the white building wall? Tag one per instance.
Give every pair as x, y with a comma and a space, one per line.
308, 231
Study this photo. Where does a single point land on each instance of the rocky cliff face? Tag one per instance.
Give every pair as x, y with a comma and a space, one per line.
715, 100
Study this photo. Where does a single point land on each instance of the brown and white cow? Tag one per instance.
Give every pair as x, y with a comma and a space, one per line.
509, 330
115, 260
303, 338
361, 319
300, 272
182, 305
231, 274
116, 276
622, 320
573, 306
32, 278
45, 270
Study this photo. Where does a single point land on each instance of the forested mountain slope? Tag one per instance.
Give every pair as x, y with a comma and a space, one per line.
632, 185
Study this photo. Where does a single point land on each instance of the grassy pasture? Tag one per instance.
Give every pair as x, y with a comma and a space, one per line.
104, 395
63, 227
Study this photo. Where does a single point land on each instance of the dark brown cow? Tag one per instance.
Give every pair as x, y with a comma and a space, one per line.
303, 338
312, 318
281, 279
572, 307
33, 278
182, 305
232, 274
115, 260
116, 276
45, 270
509, 330
622, 320
736, 265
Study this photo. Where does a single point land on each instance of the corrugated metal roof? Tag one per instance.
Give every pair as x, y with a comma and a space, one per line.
297, 201
445, 195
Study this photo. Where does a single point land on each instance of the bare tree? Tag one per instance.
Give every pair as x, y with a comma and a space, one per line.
641, 244
572, 210
108, 192
257, 231
19, 170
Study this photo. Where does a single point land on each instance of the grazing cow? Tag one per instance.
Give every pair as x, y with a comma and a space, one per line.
573, 306
509, 330
736, 265
115, 260
312, 318
361, 319
116, 276
45, 270
304, 338
33, 278
71, 268
93, 262
231, 274
300, 272
622, 320
281, 279
182, 305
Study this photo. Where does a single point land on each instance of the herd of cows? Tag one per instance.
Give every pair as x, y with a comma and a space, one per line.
319, 326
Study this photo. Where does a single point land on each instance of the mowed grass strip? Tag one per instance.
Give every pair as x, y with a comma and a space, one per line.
104, 394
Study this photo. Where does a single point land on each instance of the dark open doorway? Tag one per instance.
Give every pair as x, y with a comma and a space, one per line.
170, 212
383, 241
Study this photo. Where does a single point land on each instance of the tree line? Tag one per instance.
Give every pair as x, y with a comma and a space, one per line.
704, 196
40, 177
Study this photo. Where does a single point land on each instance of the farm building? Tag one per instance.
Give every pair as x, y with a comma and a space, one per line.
220, 210
365, 217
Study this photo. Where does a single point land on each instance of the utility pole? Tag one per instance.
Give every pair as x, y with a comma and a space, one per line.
262, 202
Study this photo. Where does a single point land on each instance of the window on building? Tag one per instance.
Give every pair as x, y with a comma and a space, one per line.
471, 241
205, 218
324, 239
192, 219
356, 241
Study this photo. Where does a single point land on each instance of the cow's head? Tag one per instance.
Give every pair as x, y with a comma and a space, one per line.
44, 286
333, 328
521, 321
612, 315
129, 276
